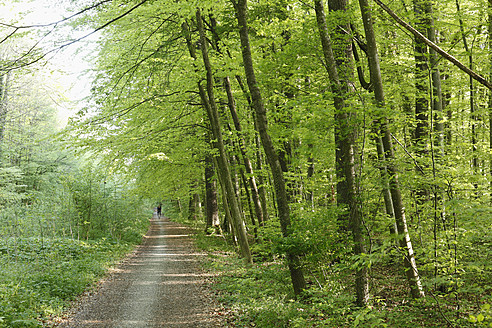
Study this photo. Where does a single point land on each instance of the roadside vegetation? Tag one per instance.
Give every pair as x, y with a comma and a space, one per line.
39, 277
261, 296
58, 242
64, 218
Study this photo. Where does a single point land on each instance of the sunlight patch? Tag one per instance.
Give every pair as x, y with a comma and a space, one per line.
158, 156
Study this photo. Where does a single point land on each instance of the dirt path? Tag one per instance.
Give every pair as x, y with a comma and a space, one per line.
159, 286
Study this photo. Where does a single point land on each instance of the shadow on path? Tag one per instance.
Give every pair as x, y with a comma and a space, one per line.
159, 286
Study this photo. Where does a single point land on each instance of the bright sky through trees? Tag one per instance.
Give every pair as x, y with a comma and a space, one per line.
67, 69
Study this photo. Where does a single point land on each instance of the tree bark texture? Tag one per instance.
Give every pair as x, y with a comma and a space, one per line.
293, 261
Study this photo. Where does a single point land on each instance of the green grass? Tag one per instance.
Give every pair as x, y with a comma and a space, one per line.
38, 277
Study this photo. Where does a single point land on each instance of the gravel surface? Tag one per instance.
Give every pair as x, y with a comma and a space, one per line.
160, 285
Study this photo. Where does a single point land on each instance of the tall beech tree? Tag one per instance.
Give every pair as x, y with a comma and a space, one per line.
210, 105
421, 85
489, 11
241, 143
293, 262
345, 131
398, 208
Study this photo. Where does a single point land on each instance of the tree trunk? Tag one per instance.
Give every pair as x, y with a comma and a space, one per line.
472, 95
194, 203
193, 206
398, 208
259, 157
223, 164
4, 84
437, 97
342, 53
223, 168
383, 170
179, 205
293, 261
261, 181
250, 206
490, 96
421, 90
211, 207
247, 163
347, 153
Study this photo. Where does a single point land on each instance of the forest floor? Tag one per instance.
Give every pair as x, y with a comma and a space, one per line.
159, 285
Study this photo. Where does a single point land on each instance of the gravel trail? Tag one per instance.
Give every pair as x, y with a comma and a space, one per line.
160, 285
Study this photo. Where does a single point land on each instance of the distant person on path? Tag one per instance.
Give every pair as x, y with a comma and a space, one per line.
159, 210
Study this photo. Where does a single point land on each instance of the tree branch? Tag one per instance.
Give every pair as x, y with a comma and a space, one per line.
434, 46
73, 41
16, 28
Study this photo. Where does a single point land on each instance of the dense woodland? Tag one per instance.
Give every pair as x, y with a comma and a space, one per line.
342, 149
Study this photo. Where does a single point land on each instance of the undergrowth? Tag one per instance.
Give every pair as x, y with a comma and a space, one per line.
261, 295
57, 240
38, 277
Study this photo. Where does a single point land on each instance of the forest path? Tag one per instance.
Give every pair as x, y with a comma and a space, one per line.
160, 285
